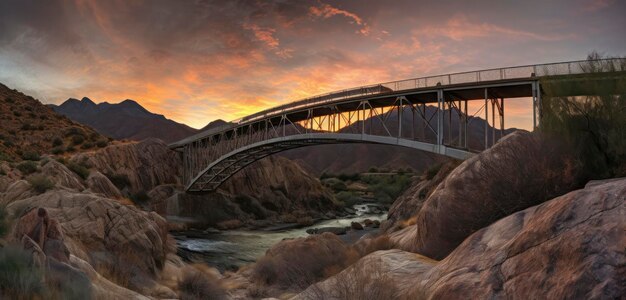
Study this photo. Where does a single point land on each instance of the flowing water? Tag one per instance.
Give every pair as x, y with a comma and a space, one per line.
228, 250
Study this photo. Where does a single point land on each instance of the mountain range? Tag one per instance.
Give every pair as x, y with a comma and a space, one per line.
129, 120
124, 120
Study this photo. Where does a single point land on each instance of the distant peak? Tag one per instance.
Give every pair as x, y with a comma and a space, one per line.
130, 102
86, 100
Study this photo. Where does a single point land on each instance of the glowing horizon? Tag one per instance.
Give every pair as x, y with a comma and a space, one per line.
195, 62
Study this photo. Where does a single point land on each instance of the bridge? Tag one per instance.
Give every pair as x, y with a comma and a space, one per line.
428, 113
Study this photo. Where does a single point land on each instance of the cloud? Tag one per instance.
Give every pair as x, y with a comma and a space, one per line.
326, 11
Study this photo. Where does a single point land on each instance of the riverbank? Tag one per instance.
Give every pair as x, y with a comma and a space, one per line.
230, 249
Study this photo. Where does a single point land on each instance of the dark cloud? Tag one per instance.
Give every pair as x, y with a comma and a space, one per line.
203, 59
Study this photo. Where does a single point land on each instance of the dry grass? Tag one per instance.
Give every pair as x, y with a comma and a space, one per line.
200, 285
296, 264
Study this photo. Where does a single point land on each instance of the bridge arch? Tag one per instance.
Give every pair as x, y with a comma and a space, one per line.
230, 163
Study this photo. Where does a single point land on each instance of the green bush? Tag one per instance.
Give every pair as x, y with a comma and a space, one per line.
5, 157
335, 184
79, 169
119, 180
57, 150
27, 167
347, 198
73, 130
8, 143
4, 226
373, 170
101, 143
432, 171
40, 183
78, 139
57, 142
20, 278
31, 155
27, 126
592, 125
140, 198
87, 145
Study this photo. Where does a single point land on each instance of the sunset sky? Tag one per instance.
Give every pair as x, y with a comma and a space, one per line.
199, 60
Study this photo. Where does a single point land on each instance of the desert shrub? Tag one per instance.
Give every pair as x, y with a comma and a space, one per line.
101, 143
27, 126
77, 139
20, 278
17, 114
70, 148
31, 155
140, 198
57, 150
351, 177
87, 145
432, 171
27, 167
373, 170
79, 169
305, 221
196, 285
296, 264
73, 131
363, 281
592, 125
8, 143
347, 198
335, 184
121, 181
40, 183
57, 142
367, 246
5, 157
94, 136
9, 100
4, 226
2, 172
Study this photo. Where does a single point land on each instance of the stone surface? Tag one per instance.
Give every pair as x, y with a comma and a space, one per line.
104, 232
571, 247
521, 170
147, 164
61, 175
100, 184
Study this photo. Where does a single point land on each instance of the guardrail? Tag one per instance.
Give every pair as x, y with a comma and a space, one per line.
518, 72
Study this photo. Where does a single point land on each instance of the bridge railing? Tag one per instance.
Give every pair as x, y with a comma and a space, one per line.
518, 72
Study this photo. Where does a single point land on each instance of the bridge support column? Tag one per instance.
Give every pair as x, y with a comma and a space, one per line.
486, 119
440, 106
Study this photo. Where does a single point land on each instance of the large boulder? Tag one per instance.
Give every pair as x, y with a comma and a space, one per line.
521, 170
120, 239
61, 175
15, 190
571, 247
100, 184
145, 164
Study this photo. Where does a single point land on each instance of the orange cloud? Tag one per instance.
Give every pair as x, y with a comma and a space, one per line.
327, 11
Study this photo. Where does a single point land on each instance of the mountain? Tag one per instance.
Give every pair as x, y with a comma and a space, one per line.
28, 128
124, 120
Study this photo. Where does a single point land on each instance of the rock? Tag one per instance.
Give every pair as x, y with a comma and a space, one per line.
62, 176
104, 232
571, 247
101, 287
16, 190
333, 230
408, 204
147, 164
230, 224
368, 222
356, 226
160, 195
375, 224
350, 211
514, 174
100, 184
36, 225
305, 221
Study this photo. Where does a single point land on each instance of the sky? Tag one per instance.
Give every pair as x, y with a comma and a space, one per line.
196, 61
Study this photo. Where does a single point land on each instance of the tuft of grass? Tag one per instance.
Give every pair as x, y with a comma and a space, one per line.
20, 278
196, 285
27, 167
79, 169
31, 155
40, 183
140, 198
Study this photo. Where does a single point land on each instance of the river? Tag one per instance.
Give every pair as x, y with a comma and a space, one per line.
229, 250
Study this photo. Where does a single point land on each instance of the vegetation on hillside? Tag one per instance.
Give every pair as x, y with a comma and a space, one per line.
594, 123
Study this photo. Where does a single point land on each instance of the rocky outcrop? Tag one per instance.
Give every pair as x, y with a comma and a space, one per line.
145, 164
100, 184
61, 175
404, 209
119, 238
18, 189
521, 170
571, 247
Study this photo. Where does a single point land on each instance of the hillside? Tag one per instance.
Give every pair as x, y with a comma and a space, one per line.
29, 129
124, 120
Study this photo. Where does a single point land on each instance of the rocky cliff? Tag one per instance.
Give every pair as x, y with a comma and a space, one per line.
571, 247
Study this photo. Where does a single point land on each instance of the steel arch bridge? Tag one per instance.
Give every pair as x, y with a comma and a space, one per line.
392, 113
